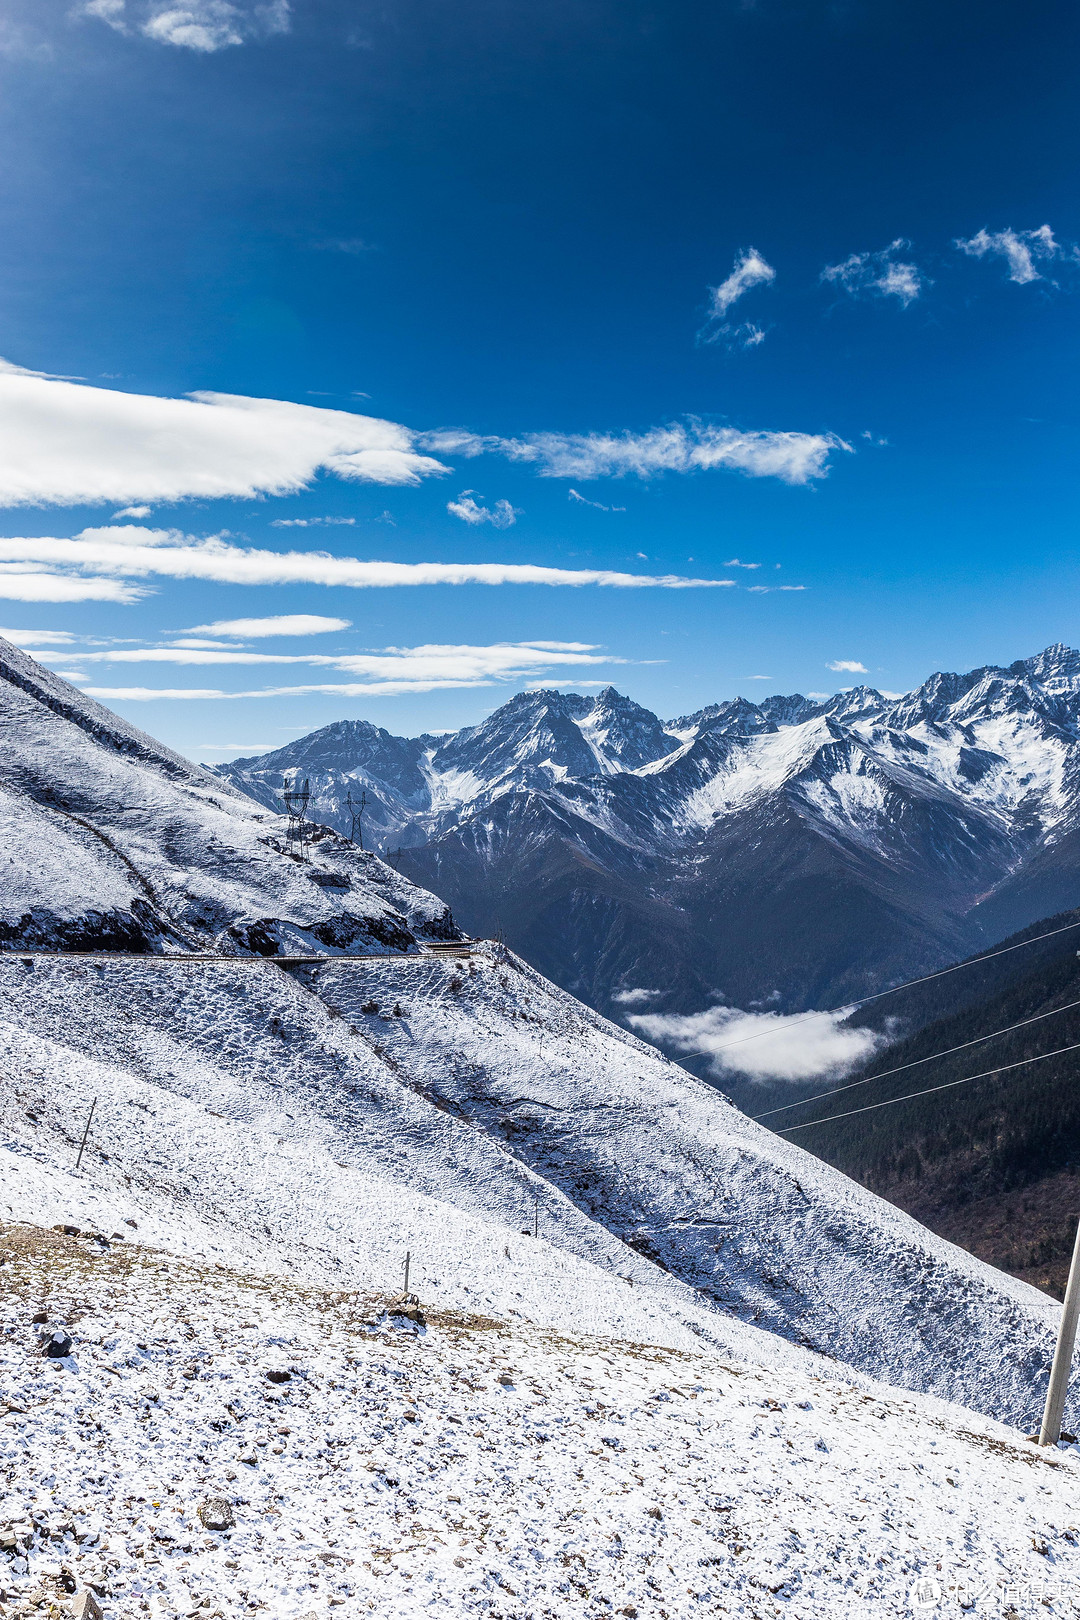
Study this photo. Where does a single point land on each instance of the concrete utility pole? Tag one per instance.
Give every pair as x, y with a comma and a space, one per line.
1050, 1433
86, 1134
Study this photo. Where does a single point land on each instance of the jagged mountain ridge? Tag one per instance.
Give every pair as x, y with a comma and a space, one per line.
800, 850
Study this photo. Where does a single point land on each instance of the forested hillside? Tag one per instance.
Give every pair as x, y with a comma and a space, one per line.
993, 1164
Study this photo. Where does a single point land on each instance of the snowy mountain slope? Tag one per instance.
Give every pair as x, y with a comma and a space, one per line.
236, 1119
478, 1468
807, 851
754, 1224
108, 839
278, 1119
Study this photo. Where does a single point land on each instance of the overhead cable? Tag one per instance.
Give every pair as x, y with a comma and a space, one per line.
804, 1102
907, 1097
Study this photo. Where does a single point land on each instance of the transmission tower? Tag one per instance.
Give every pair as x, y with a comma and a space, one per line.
356, 811
296, 799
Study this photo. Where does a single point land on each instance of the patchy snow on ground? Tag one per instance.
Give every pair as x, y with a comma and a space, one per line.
474, 1467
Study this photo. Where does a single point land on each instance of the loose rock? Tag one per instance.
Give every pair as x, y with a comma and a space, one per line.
216, 1514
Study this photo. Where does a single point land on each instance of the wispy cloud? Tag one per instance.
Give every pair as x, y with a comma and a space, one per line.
20, 584
501, 516
765, 590
582, 500
794, 458
750, 270
65, 443
282, 624
879, 275
123, 553
388, 672
764, 1046
1019, 249
196, 25
301, 523
850, 666
734, 562
39, 638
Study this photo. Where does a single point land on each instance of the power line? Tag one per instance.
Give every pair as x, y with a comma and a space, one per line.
804, 1102
853, 1006
907, 1097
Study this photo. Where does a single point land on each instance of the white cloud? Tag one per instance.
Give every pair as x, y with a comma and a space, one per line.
196, 25
582, 500
308, 523
388, 672
750, 270
66, 443
136, 512
20, 584
501, 516
746, 335
1019, 249
39, 638
850, 666
283, 624
879, 275
137, 553
764, 590
795, 458
636, 997
764, 1046
733, 562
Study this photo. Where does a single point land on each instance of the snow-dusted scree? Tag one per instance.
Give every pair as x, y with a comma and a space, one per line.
362, 1463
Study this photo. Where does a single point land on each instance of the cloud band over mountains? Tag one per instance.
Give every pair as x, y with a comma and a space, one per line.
99, 564
66, 443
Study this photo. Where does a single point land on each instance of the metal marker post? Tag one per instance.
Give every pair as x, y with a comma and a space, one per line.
408, 1257
1050, 1433
85, 1134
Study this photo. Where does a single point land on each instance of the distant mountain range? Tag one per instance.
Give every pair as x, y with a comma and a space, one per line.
790, 852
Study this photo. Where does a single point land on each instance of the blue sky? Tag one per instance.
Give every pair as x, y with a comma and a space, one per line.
605, 289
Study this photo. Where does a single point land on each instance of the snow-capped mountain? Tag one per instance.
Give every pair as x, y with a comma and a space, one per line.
533, 1158
109, 840
790, 849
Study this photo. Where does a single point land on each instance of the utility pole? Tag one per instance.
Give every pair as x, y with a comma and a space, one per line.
1050, 1433
356, 812
296, 800
86, 1134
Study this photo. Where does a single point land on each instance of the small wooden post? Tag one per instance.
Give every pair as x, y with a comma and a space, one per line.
1050, 1433
408, 1258
85, 1134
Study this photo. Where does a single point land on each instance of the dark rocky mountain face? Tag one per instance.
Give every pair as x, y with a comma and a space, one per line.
795, 850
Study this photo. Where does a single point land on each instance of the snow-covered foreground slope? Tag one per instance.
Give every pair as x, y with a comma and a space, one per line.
404, 1104
475, 1468
110, 840
237, 1119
